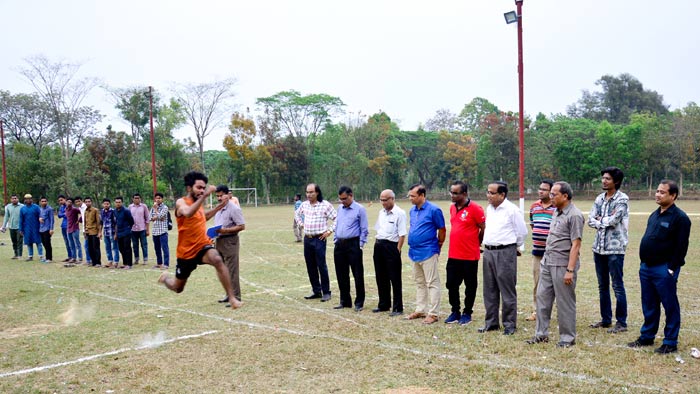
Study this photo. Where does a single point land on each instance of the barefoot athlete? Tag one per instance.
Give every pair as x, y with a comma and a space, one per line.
193, 245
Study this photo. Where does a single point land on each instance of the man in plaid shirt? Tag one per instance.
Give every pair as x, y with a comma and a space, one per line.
313, 215
109, 224
159, 217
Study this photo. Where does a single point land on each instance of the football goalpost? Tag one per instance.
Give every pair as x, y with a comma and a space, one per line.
249, 191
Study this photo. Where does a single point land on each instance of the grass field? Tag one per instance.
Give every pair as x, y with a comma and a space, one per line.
86, 330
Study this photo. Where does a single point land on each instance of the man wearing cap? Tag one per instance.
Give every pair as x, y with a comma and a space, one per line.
12, 220
29, 227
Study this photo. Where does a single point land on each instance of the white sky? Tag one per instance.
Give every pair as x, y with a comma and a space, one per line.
408, 58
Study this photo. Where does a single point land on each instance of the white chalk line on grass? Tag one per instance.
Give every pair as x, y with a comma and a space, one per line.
107, 354
481, 361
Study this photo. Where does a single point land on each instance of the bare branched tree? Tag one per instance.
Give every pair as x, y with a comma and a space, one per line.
59, 85
206, 105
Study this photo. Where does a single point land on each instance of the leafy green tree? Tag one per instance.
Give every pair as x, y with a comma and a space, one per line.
473, 114
298, 115
620, 97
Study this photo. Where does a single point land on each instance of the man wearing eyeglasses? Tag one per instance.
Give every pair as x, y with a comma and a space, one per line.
505, 232
425, 238
467, 230
350, 237
391, 235
541, 212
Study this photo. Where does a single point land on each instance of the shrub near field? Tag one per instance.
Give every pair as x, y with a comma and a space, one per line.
98, 330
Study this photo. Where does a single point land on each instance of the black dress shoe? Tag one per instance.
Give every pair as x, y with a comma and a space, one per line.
326, 297
312, 296
486, 329
666, 349
396, 313
341, 306
225, 299
358, 308
377, 310
509, 331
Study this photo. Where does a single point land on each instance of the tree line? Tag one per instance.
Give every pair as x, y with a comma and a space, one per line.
53, 146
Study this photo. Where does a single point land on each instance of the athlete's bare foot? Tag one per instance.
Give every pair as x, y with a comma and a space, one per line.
163, 277
235, 304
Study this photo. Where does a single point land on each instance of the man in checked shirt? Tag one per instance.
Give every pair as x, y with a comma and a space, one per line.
314, 215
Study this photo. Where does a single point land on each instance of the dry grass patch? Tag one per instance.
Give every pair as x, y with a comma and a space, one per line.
281, 343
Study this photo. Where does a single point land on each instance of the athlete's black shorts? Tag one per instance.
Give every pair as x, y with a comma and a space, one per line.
185, 266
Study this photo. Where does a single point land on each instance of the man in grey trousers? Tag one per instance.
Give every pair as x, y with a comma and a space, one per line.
505, 231
559, 268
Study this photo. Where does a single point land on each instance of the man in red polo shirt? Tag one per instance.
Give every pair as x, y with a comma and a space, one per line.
467, 230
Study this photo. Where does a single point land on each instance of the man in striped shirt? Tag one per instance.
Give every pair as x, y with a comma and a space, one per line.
314, 215
541, 212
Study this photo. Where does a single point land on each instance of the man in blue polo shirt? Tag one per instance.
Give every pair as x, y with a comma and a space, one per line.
425, 238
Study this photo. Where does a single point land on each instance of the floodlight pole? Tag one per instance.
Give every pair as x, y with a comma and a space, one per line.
521, 106
4, 167
153, 145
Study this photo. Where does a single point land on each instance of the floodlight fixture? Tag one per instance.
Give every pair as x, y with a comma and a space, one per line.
511, 17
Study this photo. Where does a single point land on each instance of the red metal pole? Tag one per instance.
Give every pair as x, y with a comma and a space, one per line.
153, 145
4, 167
521, 107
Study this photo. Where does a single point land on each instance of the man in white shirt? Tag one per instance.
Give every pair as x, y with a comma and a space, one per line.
505, 232
391, 235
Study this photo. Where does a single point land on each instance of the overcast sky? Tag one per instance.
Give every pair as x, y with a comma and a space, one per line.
407, 58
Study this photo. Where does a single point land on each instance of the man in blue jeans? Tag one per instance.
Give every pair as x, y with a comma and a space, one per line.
159, 217
609, 217
64, 226
109, 228
662, 254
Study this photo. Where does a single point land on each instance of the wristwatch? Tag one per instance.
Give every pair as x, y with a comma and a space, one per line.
569, 271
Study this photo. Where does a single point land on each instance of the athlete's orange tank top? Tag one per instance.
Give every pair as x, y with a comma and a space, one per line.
191, 233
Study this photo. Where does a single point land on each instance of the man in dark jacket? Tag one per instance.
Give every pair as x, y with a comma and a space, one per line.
123, 234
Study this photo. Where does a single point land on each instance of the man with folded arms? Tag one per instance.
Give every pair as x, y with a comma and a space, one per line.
505, 232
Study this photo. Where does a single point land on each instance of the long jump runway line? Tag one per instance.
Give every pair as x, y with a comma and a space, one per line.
97, 356
481, 361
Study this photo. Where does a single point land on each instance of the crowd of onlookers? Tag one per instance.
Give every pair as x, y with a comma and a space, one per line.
123, 230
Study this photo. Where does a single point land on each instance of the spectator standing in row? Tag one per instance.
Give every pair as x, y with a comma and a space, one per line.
391, 235
159, 218
541, 212
140, 231
505, 232
46, 224
123, 232
109, 226
351, 229
64, 227
29, 227
11, 221
609, 217
662, 252
466, 233
93, 232
425, 238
